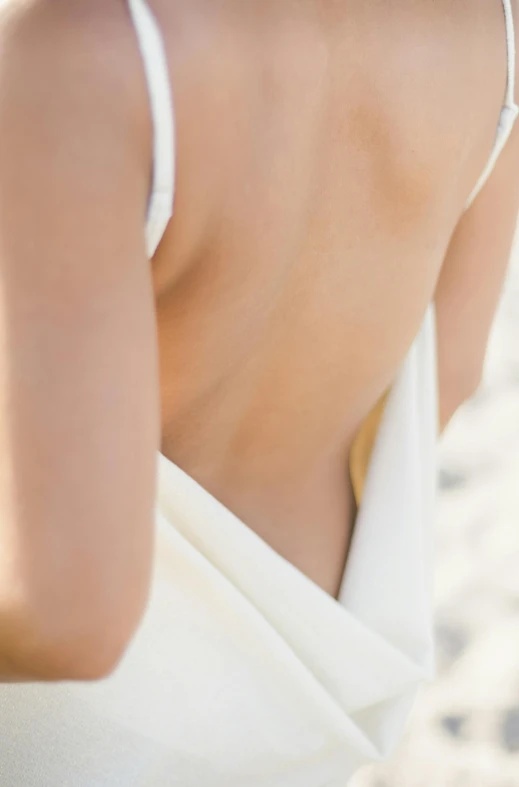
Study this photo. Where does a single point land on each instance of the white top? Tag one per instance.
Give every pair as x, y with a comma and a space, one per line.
244, 673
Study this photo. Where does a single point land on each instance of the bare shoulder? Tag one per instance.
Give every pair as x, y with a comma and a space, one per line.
66, 60
74, 120
88, 33
454, 75
482, 52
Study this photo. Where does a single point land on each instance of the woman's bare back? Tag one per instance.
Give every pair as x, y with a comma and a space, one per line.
325, 154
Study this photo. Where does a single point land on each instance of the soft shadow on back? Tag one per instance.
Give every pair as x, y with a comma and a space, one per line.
325, 152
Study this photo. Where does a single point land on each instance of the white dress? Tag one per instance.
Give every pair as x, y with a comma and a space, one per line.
243, 672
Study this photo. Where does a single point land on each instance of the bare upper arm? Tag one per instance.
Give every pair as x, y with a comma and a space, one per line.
472, 277
79, 404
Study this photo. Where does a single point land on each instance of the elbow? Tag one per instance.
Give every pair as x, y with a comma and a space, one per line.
69, 642
456, 389
91, 657
70, 616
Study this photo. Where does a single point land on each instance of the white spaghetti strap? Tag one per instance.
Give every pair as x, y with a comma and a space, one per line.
153, 53
511, 53
510, 110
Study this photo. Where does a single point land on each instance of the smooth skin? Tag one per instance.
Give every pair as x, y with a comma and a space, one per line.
325, 154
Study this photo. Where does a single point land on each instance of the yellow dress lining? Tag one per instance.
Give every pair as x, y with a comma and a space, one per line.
362, 448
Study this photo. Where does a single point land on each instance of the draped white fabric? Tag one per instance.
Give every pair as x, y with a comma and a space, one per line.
243, 671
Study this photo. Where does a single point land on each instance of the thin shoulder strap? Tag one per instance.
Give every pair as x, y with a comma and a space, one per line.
511, 54
510, 109
151, 45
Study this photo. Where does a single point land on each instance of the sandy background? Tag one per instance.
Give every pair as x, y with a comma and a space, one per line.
465, 729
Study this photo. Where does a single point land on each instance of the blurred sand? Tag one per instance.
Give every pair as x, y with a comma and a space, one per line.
465, 728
